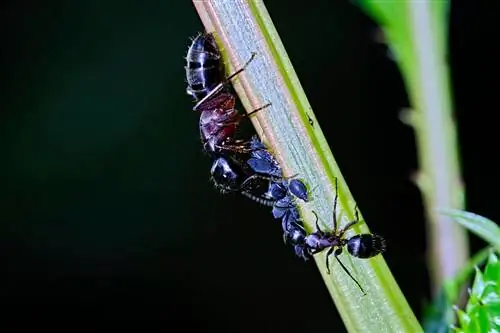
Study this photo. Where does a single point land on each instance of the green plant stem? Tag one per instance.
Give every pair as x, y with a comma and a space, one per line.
243, 27
439, 178
416, 32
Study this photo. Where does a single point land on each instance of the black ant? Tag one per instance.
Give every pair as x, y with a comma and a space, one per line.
282, 191
361, 246
208, 86
229, 175
261, 181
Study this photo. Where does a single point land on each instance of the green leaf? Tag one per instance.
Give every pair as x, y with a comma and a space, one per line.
481, 226
439, 315
452, 286
482, 312
492, 270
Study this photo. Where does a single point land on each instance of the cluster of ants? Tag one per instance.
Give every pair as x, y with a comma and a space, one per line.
249, 168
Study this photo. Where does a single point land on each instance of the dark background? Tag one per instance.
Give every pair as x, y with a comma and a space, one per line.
106, 209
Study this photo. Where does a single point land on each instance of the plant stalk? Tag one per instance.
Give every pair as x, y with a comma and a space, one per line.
416, 32
243, 27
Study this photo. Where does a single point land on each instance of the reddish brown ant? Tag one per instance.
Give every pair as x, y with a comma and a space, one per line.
206, 84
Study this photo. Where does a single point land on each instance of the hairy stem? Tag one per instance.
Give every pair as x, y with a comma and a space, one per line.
416, 32
243, 27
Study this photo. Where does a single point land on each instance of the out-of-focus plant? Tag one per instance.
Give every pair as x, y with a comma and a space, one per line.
482, 311
416, 33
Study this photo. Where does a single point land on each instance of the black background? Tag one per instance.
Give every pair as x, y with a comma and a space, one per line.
106, 209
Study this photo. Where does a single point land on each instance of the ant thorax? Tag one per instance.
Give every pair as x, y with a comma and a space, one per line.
215, 128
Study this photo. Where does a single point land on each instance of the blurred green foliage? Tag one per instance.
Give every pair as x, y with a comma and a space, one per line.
482, 312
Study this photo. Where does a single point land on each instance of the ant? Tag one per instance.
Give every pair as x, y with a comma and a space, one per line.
361, 246
265, 165
261, 160
296, 235
282, 191
263, 184
208, 86
229, 176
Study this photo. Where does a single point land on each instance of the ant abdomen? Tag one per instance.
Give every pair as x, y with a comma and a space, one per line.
299, 189
204, 68
365, 245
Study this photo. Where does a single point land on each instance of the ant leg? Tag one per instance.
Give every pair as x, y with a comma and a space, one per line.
221, 85
339, 252
242, 68
235, 147
317, 225
259, 176
247, 181
257, 110
350, 224
356, 213
290, 177
245, 115
335, 226
328, 254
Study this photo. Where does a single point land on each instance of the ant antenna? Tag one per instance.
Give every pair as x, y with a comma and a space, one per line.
335, 225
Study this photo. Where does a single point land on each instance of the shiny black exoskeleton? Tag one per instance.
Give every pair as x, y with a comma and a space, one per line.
207, 84
229, 175
262, 161
261, 180
204, 66
362, 246
282, 192
296, 235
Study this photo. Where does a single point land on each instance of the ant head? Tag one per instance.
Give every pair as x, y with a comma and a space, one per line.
365, 246
223, 175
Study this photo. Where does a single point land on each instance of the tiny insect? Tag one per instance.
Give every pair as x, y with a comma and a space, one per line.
209, 87
309, 119
282, 191
361, 246
262, 161
265, 165
263, 183
230, 175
